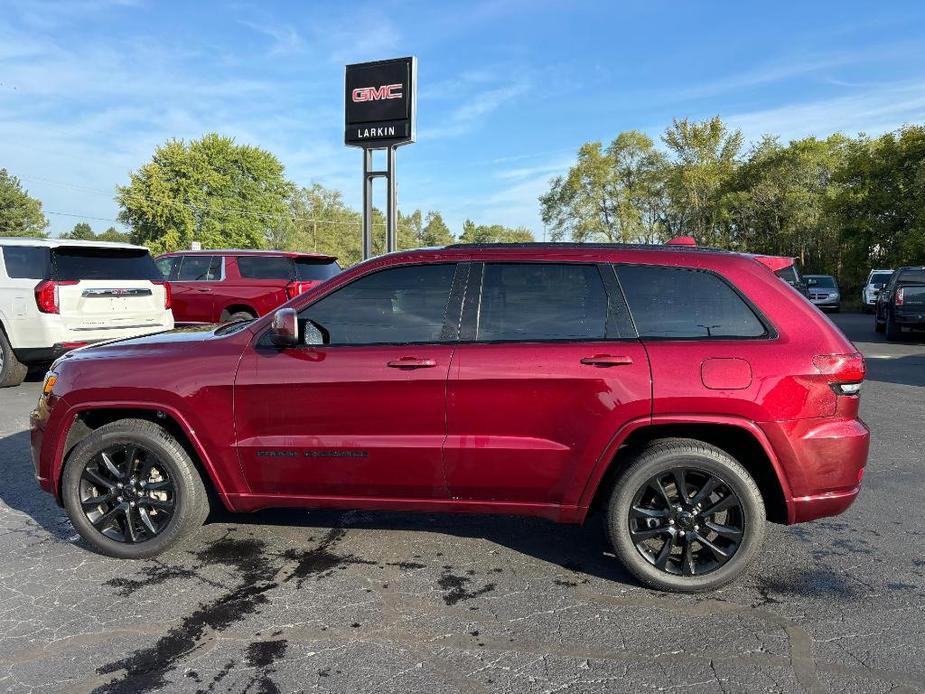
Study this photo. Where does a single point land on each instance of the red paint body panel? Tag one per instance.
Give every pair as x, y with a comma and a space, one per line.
207, 301
523, 428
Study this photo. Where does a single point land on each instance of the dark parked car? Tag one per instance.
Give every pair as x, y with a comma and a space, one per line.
221, 285
824, 292
901, 303
689, 393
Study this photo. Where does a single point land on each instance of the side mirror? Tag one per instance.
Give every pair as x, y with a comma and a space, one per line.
284, 331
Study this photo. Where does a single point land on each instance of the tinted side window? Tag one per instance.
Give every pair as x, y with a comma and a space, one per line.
681, 303
257, 267
25, 262
541, 301
165, 266
199, 268
395, 306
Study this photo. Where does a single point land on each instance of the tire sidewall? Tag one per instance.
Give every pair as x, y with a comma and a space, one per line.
179, 470
727, 470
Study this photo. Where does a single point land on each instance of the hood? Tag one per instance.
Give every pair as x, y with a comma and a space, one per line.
180, 339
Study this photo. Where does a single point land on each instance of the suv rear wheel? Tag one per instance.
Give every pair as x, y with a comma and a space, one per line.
685, 516
132, 491
12, 372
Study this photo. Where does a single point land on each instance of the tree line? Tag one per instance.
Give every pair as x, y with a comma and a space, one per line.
840, 205
225, 195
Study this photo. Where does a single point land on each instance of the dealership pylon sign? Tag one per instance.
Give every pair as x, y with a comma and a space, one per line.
380, 109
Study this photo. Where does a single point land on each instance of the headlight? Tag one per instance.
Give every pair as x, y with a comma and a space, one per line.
833, 296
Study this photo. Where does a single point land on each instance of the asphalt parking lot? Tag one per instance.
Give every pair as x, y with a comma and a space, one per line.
388, 602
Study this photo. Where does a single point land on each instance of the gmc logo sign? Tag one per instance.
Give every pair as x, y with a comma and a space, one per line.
386, 91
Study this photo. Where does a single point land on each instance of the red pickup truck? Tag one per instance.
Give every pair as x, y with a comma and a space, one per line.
220, 285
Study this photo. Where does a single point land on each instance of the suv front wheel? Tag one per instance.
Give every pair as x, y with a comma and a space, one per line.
132, 491
685, 516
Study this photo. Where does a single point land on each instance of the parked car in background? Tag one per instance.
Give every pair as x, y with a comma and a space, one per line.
876, 280
687, 392
221, 285
785, 268
824, 292
56, 295
901, 303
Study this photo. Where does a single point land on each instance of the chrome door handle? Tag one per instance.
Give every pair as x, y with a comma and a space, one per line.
607, 360
411, 363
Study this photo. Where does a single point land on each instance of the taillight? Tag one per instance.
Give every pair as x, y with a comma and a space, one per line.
46, 295
293, 289
900, 296
168, 295
845, 372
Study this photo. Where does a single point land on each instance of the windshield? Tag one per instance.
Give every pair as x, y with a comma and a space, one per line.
103, 264
821, 281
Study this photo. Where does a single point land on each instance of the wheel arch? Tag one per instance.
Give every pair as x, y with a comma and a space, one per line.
740, 438
233, 308
85, 420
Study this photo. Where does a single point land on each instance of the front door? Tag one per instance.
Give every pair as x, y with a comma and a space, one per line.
547, 370
362, 415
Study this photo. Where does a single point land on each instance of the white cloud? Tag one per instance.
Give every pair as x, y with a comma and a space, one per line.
872, 111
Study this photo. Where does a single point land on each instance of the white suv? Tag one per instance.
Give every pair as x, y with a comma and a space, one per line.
876, 281
57, 295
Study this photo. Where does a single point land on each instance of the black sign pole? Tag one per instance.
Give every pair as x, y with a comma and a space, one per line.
379, 113
391, 206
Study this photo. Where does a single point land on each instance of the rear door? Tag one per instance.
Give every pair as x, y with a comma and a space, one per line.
107, 288
194, 288
547, 370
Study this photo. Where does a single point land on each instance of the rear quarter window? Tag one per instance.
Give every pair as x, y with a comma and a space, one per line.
265, 267
103, 264
684, 303
314, 270
25, 262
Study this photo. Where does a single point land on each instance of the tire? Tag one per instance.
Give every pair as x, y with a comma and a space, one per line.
12, 371
188, 499
701, 462
893, 331
879, 327
238, 315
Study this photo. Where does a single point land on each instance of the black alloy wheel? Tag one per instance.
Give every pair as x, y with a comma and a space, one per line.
686, 521
127, 494
132, 490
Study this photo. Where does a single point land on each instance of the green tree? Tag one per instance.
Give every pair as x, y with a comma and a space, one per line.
20, 214
113, 234
436, 232
879, 206
778, 201
611, 195
322, 223
704, 157
210, 190
81, 232
494, 233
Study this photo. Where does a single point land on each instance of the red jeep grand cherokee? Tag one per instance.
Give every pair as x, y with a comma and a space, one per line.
222, 285
687, 391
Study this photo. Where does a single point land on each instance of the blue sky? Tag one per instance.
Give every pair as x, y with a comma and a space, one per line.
508, 89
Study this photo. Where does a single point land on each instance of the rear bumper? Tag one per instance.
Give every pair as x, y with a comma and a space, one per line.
823, 460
